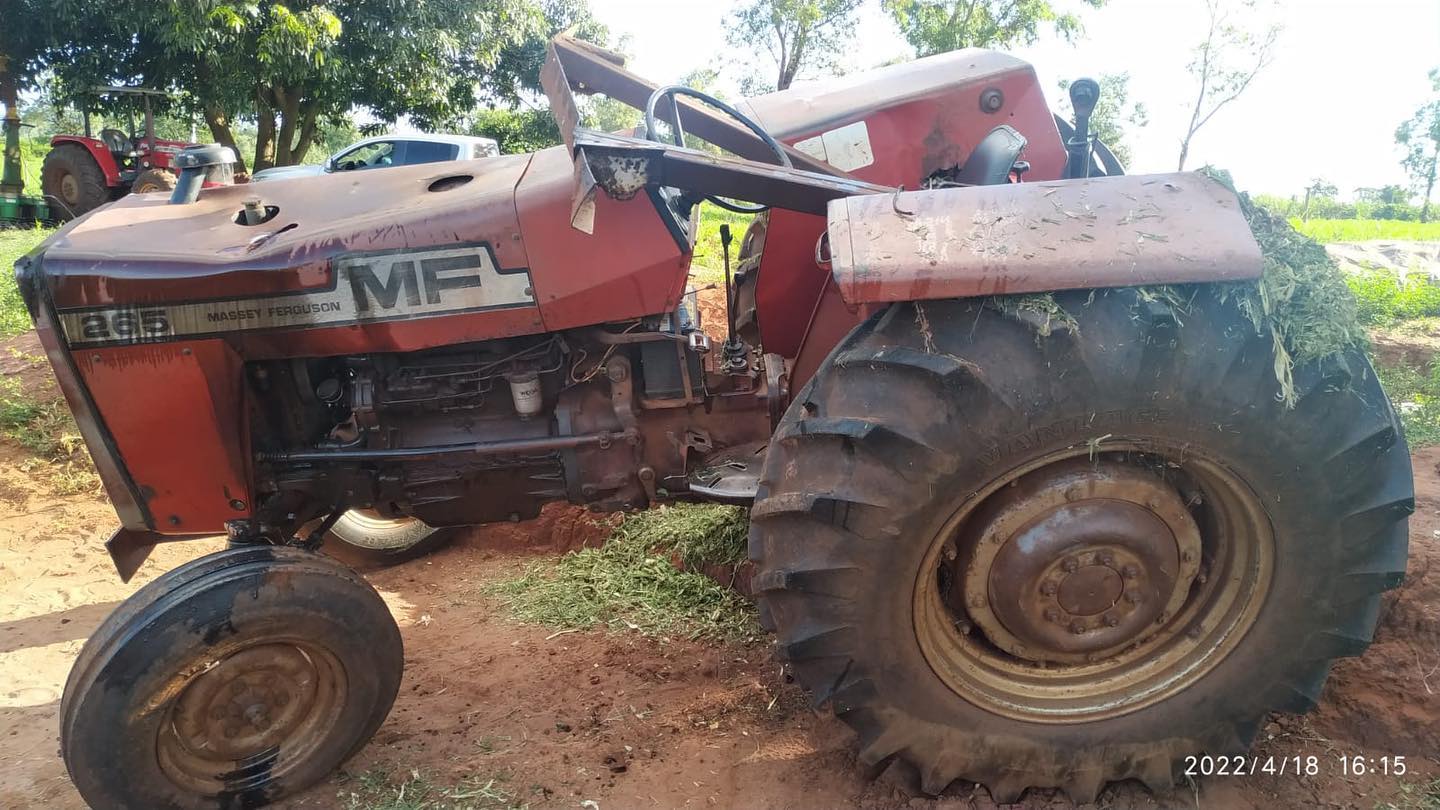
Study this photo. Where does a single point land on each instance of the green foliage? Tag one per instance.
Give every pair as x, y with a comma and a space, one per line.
1382, 298
938, 26
708, 264
1415, 393
797, 34
1419, 136
517, 131
1361, 230
1113, 114
14, 243
632, 582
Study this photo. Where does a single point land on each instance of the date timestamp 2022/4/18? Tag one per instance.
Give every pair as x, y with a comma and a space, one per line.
1298, 765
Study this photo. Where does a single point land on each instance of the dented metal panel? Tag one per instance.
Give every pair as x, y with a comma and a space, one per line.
1035, 237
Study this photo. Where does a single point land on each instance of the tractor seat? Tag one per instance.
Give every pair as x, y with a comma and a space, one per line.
117, 142
992, 159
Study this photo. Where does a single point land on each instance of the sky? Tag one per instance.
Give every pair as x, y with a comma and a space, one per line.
1345, 75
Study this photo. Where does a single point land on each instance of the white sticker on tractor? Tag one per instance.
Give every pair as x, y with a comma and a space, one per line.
384, 286
845, 148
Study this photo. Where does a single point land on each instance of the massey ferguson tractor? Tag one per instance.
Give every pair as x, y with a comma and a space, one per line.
82, 173
1005, 545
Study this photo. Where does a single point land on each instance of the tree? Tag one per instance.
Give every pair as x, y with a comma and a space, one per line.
1113, 114
797, 34
938, 26
1319, 188
298, 67
1420, 138
1226, 62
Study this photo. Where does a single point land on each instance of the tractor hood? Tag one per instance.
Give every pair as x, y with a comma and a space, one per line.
410, 257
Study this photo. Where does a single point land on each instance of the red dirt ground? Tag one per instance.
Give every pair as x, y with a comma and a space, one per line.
609, 721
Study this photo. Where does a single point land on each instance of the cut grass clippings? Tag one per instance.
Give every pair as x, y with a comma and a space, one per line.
1301, 298
632, 582
375, 789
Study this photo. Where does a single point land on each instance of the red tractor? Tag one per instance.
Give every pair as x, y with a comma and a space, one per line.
1052, 541
84, 172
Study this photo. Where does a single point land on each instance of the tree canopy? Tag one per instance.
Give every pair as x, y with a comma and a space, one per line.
797, 34
1419, 137
292, 66
938, 26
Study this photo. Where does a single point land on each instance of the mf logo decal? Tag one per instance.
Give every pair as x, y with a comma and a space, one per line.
393, 285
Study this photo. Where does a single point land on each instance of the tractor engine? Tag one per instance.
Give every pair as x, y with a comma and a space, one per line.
493, 430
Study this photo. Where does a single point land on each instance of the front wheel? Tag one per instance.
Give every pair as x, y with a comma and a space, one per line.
233, 681
1054, 553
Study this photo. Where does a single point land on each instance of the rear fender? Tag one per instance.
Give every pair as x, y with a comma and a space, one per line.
98, 152
1039, 237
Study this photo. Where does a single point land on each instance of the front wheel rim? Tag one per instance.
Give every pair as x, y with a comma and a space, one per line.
997, 630
250, 717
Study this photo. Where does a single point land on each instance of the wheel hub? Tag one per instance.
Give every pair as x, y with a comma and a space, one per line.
247, 708
1079, 560
70, 189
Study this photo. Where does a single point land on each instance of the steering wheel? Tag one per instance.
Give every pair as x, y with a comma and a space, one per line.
652, 132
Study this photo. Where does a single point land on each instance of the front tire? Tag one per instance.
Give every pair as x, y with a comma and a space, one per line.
1031, 553
235, 680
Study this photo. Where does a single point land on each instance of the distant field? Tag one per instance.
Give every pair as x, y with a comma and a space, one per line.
1363, 230
14, 243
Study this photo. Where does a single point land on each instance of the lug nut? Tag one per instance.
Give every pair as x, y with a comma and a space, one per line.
977, 601
1106, 558
1052, 615
1077, 627
1133, 597
1111, 620
1071, 565
1073, 493
1049, 588
1130, 572
1188, 556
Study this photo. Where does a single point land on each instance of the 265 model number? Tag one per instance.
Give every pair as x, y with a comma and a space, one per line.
126, 324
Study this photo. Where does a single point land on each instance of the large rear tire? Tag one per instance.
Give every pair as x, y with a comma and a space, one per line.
233, 681
71, 175
1031, 554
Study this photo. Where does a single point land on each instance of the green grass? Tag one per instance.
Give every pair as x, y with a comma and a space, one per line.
376, 789
1362, 230
708, 264
632, 582
48, 431
14, 243
1381, 298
